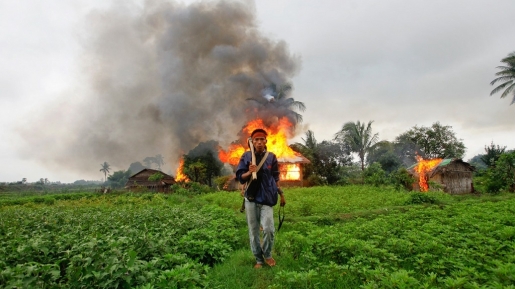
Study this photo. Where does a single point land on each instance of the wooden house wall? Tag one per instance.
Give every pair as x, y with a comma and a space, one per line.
456, 178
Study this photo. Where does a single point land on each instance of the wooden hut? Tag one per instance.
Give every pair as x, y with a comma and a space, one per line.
291, 170
140, 182
454, 175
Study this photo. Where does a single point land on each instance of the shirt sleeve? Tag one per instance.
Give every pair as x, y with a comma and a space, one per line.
243, 167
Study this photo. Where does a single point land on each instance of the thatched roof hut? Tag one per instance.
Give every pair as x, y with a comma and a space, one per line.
291, 170
140, 182
454, 175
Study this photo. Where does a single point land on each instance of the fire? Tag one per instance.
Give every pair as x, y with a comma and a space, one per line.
232, 156
180, 176
289, 172
277, 141
423, 167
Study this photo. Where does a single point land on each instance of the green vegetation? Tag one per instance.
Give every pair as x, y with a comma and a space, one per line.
505, 75
333, 237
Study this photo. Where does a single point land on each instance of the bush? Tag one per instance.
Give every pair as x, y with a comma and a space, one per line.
402, 179
315, 180
421, 198
221, 182
501, 176
375, 175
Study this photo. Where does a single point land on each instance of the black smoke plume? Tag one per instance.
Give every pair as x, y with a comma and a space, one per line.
159, 78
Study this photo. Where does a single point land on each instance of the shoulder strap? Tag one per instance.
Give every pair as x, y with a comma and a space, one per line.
258, 168
262, 161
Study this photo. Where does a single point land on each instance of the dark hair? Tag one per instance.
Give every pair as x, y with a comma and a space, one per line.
258, 130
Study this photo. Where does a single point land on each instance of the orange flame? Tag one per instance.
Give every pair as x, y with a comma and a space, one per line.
180, 176
423, 167
277, 141
289, 172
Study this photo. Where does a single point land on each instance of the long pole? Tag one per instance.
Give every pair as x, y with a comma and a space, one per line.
254, 175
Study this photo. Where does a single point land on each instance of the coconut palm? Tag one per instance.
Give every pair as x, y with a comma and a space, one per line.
105, 169
281, 101
358, 137
507, 76
309, 147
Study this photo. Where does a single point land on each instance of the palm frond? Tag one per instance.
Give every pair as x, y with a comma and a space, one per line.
508, 90
501, 87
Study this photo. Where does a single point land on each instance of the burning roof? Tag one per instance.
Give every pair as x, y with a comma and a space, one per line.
428, 169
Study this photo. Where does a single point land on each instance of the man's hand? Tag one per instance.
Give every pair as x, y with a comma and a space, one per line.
283, 201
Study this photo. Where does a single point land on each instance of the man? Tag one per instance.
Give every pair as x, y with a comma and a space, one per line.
260, 196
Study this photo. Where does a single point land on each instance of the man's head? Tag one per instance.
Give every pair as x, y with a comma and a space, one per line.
259, 139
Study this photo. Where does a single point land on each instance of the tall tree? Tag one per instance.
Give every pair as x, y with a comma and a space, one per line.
437, 141
280, 101
119, 178
358, 137
327, 158
506, 75
201, 164
383, 152
493, 153
105, 169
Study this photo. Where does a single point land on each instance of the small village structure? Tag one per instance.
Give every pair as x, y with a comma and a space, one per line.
140, 182
454, 175
290, 170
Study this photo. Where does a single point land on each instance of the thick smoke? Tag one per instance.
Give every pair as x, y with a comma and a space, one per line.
159, 79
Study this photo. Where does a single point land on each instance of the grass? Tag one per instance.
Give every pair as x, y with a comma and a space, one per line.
333, 237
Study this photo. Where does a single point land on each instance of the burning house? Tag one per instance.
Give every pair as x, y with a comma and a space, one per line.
290, 162
454, 175
140, 181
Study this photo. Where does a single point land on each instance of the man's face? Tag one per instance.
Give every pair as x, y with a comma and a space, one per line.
259, 143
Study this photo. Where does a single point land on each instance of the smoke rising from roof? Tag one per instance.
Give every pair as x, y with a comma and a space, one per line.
160, 78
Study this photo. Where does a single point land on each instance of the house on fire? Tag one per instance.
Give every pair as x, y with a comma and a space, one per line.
140, 182
454, 175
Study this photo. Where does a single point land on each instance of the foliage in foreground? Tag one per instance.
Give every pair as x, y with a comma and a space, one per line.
112, 243
333, 237
468, 244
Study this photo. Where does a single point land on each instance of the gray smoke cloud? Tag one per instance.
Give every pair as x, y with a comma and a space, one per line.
160, 78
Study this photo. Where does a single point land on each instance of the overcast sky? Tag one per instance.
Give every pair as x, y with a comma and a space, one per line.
398, 63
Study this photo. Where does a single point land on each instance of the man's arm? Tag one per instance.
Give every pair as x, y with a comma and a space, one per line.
244, 169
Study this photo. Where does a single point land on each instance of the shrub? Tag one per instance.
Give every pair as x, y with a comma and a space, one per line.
402, 179
421, 198
501, 176
315, 180
375, 175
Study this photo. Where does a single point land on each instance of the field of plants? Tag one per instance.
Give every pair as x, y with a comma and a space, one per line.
333, 237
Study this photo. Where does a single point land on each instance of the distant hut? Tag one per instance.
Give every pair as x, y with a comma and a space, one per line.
454, 175
290, 169
140, 182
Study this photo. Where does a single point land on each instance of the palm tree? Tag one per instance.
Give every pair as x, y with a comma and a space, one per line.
358, 137
506, 75
105, 168
281, 101
309, 147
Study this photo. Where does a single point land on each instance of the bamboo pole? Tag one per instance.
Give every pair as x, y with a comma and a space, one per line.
251, 145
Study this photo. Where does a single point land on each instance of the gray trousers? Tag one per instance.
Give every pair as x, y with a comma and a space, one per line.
260, 215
